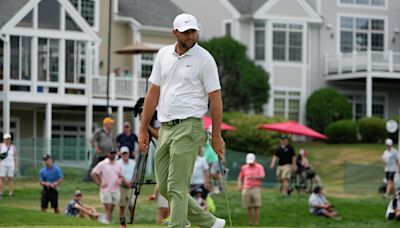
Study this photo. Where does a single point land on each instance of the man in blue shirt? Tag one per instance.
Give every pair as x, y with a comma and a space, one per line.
128, 139
50, 177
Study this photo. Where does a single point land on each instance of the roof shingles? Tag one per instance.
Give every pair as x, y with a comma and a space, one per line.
247, 7
8, 9
160, 13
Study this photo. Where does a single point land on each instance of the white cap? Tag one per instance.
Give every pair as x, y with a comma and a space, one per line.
7, 136
389, 142
185, 22
124, 149
250, 158
302, 151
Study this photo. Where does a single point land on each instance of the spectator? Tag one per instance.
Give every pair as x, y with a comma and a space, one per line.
306, 171
393, 209
391, 159
286, 165
50, 177
199, 198
8, 164
102, 140
76, 208
163, 206
200, 178
249, 183
128, 167
108, 176
128, 139
320, 206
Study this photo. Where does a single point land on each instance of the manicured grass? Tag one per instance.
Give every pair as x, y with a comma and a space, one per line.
357, 210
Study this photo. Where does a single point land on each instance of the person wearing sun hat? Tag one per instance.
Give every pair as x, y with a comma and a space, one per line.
249, 184
184, 81
8, 163
392, 163
101, 141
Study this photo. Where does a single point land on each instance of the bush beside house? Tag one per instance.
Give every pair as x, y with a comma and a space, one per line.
248, 137
342, 131
372, 129
326, 106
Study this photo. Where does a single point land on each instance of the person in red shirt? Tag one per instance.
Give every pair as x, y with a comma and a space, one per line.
249, 183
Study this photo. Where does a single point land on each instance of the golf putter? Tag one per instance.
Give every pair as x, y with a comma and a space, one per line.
225, 190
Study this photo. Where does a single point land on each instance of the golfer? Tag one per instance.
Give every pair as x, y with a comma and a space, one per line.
184, 78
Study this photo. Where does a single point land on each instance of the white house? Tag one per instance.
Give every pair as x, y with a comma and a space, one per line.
351, 45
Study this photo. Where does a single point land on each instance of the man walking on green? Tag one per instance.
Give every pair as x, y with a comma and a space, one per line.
184, 78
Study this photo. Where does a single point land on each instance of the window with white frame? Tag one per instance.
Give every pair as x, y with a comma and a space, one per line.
147, 64
287, 41
359, 107
364, 2
87, 9
259, 40
361, 34
20, 58
68, 140
287, 104
48, 52
75, 61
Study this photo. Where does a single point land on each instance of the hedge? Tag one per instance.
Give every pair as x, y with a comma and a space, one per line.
326, 106
342, 131
372, 129
248, 137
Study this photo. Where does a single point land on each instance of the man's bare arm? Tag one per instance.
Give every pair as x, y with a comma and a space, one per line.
217, 142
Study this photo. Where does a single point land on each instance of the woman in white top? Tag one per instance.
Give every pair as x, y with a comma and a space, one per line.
8, 163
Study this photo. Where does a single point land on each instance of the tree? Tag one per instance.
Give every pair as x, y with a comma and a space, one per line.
244, 84
326, 106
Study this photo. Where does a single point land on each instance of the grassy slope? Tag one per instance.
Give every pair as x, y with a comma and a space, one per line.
357, 210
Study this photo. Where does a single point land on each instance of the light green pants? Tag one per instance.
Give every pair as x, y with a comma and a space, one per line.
177, 149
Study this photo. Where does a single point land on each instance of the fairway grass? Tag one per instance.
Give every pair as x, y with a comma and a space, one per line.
361, 209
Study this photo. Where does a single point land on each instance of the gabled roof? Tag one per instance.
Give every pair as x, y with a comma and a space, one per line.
159, 13
247, 7
9, 8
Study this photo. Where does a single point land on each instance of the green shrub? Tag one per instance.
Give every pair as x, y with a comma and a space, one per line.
247, 137
326, 106
372, 129
342, 131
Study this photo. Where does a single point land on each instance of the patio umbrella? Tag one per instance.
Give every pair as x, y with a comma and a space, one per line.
136, 48
292, 127
225, 127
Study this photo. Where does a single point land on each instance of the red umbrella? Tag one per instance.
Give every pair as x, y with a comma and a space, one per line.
292, 127
224, 126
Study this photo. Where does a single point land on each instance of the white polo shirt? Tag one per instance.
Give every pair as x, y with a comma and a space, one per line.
184, 81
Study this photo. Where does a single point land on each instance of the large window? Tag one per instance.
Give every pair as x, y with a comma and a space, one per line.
228, 29
75, 62
259, 40
87, 9
358, 103
361, 34
147, 65
287, 104
20, 58
48, 51
68, 141
364, 2
1, 61
287, 42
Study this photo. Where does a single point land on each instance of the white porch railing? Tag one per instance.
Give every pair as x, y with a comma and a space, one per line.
120, 88
353, 62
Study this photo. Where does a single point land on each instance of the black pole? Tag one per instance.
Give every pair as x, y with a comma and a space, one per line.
109, 111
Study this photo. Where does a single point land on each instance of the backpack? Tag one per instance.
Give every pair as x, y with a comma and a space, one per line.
5, 154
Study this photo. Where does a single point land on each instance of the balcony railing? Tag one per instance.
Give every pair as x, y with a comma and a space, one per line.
120, 87
354, 62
